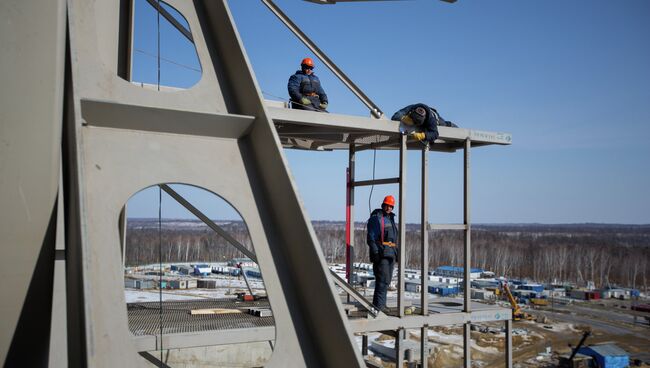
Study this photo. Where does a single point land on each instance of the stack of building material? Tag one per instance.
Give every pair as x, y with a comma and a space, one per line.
207, 284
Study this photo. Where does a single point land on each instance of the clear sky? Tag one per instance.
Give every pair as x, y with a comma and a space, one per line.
569, 79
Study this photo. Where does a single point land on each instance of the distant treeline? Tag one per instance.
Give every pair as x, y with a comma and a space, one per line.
576, 253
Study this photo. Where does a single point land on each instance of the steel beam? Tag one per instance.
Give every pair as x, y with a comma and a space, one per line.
388, 323
447, 227
356, 295
218, 229
402, 226
374, 109
362, 183
170, 18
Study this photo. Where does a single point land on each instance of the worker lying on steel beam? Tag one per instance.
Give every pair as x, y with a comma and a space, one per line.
305, 89
382, 243
421, 122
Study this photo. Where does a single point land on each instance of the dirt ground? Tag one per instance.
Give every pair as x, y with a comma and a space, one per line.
556, 329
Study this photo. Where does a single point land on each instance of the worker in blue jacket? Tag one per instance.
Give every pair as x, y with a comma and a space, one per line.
421, 121
382, 244
305, 89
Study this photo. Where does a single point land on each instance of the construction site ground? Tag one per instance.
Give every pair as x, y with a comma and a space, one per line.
538, 342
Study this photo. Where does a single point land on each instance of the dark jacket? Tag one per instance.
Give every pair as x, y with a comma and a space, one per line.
431, 120
374, 240
301, 83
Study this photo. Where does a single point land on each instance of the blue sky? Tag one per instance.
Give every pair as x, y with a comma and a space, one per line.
569, 79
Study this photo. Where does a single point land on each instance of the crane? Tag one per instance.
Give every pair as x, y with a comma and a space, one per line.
517, 313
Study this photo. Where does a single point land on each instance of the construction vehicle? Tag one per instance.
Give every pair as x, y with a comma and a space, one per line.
539, 301
570, 362
517, 313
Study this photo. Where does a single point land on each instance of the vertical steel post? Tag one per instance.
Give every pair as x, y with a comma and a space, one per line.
364, 345
466, 221
508, 343
467, 346
399, 347
402, 225
425, 254
424, 348
349, 216
424, 292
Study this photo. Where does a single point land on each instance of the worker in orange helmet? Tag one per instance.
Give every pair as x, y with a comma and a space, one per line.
421, 122
382, 244
305, 89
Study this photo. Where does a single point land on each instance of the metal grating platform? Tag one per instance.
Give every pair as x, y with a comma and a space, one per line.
144, 318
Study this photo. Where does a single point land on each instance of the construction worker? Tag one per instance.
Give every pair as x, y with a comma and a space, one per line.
421, 122
305, 89
382, 243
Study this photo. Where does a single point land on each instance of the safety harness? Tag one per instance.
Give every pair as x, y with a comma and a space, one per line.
390, 244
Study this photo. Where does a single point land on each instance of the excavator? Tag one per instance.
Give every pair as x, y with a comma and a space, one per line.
517, 313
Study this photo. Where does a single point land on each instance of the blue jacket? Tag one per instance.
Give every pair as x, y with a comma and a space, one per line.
374, 227
430, 125
301, 83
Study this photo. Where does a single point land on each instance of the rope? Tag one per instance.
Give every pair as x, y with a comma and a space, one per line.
167, 60
160, 272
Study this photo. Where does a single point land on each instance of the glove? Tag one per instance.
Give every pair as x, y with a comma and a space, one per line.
323, 105
418, 135
305, 101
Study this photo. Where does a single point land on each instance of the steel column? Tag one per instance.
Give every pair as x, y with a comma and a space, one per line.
374, 109
509, 343
424, 229
424, 346
402, 225
467, 344
424, 224
349, 218
399, 347
466, 221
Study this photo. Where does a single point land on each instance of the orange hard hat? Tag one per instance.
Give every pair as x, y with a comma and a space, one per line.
307, 61
389, 200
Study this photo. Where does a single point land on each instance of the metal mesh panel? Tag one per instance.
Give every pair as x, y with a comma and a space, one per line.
144, 318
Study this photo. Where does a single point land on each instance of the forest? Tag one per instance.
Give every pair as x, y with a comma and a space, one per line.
608, 255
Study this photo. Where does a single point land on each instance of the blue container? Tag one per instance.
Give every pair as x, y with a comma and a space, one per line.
607, 355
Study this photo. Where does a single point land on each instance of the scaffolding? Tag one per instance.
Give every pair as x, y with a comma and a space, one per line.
316, 131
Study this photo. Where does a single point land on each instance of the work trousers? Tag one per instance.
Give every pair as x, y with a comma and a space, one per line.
383, 270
